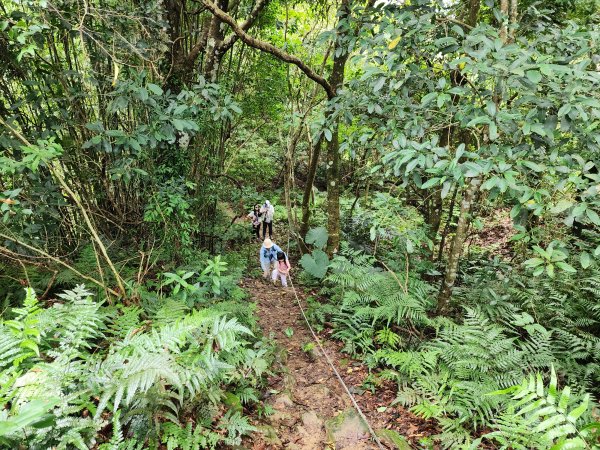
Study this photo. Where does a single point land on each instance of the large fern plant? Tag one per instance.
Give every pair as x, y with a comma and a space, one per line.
536, 416
66, 369
376, 304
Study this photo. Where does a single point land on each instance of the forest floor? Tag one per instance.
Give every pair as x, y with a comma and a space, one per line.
311, 410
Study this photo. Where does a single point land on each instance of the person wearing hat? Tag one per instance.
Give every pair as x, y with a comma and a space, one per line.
268, 256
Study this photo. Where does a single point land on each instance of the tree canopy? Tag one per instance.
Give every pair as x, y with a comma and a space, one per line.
434, 167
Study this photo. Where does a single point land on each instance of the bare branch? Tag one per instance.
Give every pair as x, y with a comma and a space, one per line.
245, 26
269, 48
53, 258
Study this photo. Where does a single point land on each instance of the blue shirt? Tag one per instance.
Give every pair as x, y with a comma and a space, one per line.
269, 254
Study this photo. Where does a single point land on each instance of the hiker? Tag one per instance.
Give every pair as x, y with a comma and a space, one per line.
256, 218
282, 269
268, 256
269, 211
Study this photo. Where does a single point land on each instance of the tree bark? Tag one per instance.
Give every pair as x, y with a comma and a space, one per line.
504, 12
333, 192
340, 57
308, 187
435, 213
473, 13
457, 246
288, 174
447, 226
513, 18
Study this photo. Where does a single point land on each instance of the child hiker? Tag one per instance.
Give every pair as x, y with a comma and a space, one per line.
268, 256
282, 269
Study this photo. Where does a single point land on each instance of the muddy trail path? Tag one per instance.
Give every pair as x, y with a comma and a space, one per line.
305, 394
311, 410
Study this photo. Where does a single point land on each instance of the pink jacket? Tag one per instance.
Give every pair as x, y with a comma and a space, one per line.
283, 267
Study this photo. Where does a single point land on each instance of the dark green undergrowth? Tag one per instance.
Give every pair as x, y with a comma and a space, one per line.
483, 372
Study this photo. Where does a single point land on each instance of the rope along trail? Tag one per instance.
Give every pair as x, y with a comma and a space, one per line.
330, 362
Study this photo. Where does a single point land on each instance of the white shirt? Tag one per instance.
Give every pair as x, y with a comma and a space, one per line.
269, 212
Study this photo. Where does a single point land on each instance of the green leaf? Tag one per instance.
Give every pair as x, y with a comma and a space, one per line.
585, 259
593, 216
575, 443
156, 90
429, 183
478, 121
379, 84
428, 98
135, 145
27, 415
143, 93
315, 264
577, 412
328, 134
534, 76
534, 262
566, 267
552, 388
561, 206
180, 124
579, 210
550, 423
317, 237
31, 345
533, 166
546, 69
564, 398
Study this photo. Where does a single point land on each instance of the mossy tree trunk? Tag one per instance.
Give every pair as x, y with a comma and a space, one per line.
456, 248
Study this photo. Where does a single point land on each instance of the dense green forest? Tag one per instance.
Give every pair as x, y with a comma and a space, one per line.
434, 171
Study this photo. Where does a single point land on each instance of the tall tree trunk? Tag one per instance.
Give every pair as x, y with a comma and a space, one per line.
288, 174
474, 6
333, 192
214, 54
435, 211
457, 246
310, 180
513, 18
448, 225
504, 12
437, 203
340, 57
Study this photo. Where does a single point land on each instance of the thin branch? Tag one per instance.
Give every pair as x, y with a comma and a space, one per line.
82, 209
245, 26
269, 48
456, 21
53, 258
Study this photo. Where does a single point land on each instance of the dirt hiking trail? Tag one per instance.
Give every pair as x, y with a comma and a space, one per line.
311, 408
305, 394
